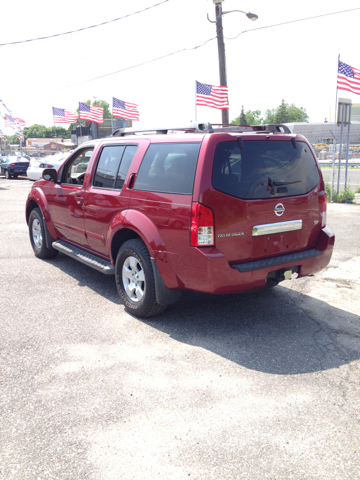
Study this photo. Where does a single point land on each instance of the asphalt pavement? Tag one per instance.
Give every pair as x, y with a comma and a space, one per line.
255, 386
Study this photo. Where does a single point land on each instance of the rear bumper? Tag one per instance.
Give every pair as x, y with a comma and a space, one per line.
207, 270
17, 171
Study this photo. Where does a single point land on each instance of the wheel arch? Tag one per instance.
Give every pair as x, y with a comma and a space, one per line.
37, 199
134, 224
119, 237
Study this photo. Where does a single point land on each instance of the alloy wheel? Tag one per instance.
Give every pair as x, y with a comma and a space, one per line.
133, 278
36, 233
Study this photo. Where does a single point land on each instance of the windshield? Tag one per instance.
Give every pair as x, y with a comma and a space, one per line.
264, 169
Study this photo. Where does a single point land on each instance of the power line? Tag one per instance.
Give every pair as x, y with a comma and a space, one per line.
201, 45
292, 21
138, 65
84, 28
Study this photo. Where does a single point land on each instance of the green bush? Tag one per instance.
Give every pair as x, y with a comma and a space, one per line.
343, 197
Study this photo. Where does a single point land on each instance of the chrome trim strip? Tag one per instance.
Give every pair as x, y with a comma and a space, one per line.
270, 228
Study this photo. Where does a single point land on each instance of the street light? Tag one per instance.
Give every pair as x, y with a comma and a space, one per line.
221, 46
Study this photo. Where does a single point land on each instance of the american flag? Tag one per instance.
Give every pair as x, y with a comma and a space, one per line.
5, 106
125, 110
20, 122
94, 114
211, 96
9, 119
61, 115
348, 78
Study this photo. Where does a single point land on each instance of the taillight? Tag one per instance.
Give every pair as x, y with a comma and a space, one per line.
202, 225
13, 165
323, 211
45, 165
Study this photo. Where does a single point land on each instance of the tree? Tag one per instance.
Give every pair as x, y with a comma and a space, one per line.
270, 116
40, 131
12, 140
242, 120
297, 114
290, 114
281, 115
251, 117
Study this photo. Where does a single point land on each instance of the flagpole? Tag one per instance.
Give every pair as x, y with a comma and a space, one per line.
195, 103
55, 133
336, 89
334, 149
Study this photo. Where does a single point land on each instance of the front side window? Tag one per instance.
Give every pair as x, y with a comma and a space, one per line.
74, 171
168, 168
264, 169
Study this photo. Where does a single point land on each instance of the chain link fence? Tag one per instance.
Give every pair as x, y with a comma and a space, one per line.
342, 175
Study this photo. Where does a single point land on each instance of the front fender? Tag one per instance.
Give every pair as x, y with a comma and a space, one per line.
37, 195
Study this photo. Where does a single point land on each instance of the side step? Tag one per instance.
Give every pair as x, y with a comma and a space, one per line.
85, 257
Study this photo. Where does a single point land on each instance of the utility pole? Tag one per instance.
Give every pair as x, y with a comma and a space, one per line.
222, 59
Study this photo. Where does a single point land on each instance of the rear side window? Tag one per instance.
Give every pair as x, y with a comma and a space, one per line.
113, 165
264, 169
168, 168
125, 164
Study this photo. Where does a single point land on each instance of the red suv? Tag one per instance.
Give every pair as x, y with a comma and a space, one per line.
221, 209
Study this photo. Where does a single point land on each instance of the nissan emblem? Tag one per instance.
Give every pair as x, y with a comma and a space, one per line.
279, 209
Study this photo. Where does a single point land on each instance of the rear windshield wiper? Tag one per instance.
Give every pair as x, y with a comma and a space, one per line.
279, 184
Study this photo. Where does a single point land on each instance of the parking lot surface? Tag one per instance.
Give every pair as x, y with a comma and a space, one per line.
263, 385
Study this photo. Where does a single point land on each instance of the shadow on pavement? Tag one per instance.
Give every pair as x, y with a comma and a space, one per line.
275, 331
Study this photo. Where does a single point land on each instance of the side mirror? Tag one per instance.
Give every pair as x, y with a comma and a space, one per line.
50, 175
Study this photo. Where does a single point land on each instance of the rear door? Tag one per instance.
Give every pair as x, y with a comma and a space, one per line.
265, 197
107, 194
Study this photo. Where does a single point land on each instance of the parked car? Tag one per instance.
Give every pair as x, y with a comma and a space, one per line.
14, 166
22, 154
38, 165
216, 210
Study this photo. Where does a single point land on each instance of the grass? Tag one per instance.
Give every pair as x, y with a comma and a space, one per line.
344, 197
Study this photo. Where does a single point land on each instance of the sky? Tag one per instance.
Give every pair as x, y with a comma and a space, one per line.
266, 62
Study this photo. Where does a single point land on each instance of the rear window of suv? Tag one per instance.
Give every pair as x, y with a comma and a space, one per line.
264, 169
168, 168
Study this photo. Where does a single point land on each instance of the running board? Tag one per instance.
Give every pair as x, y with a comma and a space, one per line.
85, 257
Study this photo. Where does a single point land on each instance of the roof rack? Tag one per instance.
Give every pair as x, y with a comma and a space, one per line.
205, 127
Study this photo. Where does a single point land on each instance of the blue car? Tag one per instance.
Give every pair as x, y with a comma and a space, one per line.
13, 166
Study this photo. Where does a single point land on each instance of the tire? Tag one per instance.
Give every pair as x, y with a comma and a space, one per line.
135, 280
7, 174
37, 236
